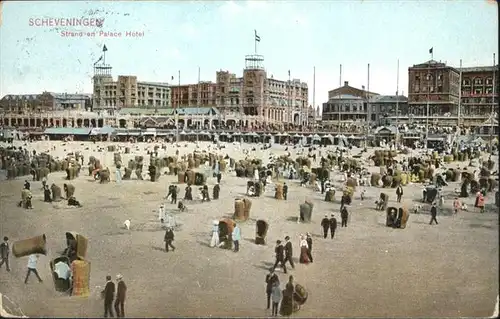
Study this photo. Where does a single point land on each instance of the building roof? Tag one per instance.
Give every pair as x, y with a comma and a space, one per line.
432, 64
390, 129
389, 99
345, 97
480, 69
349, 90
170, 111
68, 131
70, 96
153, 83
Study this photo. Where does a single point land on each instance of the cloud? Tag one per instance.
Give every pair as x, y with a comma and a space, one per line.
189, 30
279, 14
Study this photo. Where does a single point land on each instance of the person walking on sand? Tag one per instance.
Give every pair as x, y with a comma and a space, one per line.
399, 193
4, 253
325, 223
169, 238
271, 278
276, 296
280, 256
32, 262
108, 293
344, 215
310, 246
433, 214
236, 236
288, 252
121, 292
333, 225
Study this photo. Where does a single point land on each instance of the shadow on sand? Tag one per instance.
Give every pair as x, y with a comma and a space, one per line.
292, 219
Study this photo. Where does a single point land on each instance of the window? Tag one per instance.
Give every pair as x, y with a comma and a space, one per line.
478, 91
440, 77
440, 88
431, 89
417, 78
417, 89
489, 90
489, 81
478, 81
466, 82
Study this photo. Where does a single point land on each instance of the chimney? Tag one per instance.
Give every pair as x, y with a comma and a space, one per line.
346, 83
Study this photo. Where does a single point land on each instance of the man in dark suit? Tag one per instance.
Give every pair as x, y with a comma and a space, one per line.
288, 252
399, 193
109, 294
280, 256
333, 225
120, 296
433, 214
285, 191
325, 223
4, 253
271, 278
344, 215
169, 238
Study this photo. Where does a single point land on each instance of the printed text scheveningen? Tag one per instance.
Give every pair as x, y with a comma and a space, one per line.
66, 22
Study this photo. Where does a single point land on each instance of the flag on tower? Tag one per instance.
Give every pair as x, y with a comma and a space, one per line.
172, 77
100, 59
288, 72
104, 49
431, 50
257, 38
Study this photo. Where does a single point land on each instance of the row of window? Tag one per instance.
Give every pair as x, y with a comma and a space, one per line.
477, 81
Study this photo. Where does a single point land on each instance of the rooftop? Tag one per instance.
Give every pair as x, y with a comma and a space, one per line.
480, 69
153, 83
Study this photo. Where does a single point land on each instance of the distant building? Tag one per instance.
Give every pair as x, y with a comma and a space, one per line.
45, 102
478, 98
127, 91
346, 105
201, 94
383, 109
260, 95
433, 92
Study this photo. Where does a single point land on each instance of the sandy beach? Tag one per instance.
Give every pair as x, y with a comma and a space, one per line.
368, 270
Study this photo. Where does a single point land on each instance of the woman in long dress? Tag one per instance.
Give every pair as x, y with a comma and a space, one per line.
214, 242
304, 259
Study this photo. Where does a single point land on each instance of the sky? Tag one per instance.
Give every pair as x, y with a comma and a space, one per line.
299, 36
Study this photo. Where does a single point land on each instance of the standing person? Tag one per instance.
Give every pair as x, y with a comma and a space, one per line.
276, 296
121, 292
216, 191
27, 185
174, 195
304, 248
219, 177
214, 242
280, 256
285, 190
4, 253
271, 278
399, 193
333, 225
457, 205
169, 238
108, 294
288, 252
310, 246
161, 213
236, 236
344, 215
325, 223
32, 261
480, 202
433, 214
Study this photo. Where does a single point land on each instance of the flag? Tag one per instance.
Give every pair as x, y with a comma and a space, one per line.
431, 50
257, 38
288, 72
104, 49
100, 59
172, 77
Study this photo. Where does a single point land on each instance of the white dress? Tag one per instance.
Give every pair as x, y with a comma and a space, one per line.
215, 236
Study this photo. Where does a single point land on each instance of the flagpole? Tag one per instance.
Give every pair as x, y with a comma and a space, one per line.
198, 103
427, 108
339, 105
177, 108
104, 55
397, 107
459, 96
492, 103
255, 41
367, 97
314, 96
